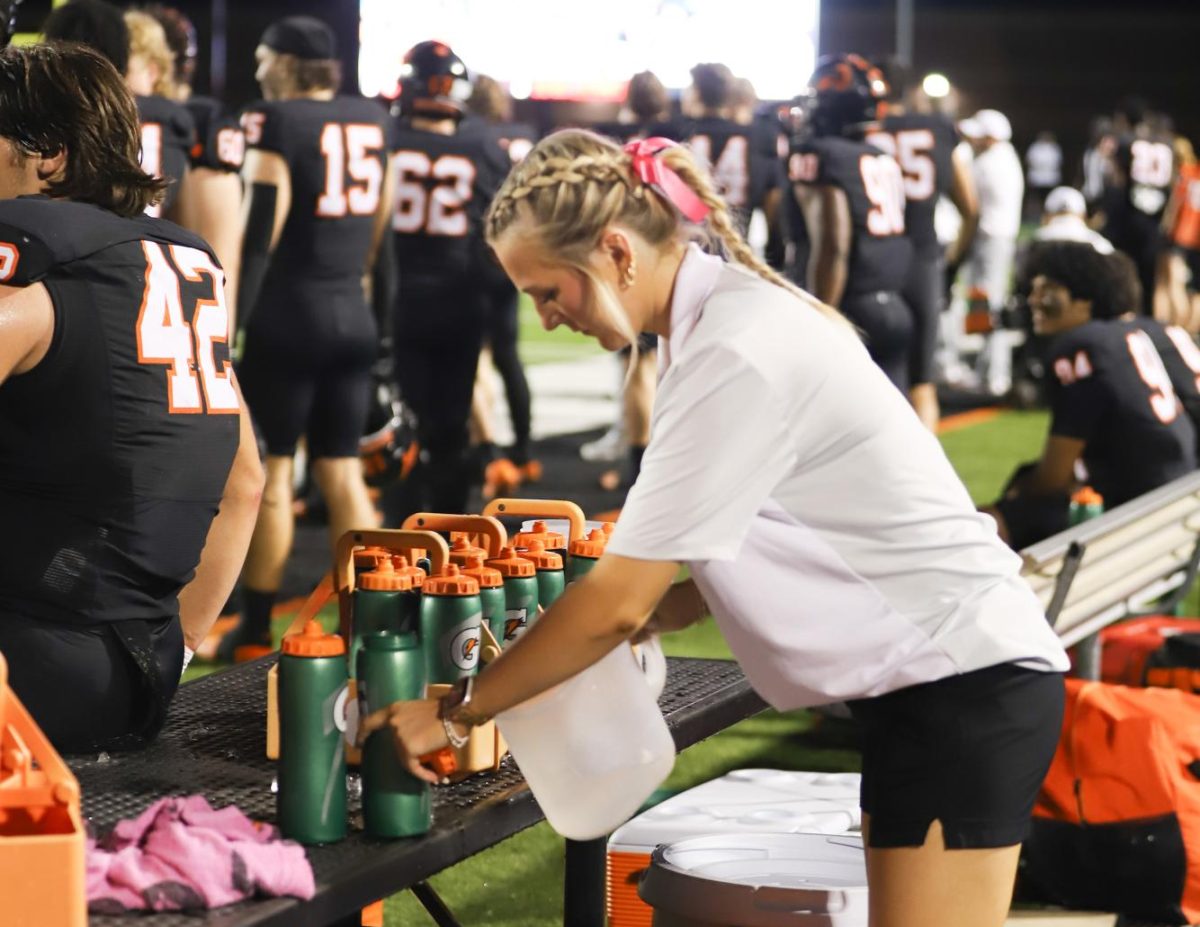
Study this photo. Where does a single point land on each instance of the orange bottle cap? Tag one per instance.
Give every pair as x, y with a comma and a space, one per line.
541, 558
607, 528
509, 564
415, 573
551, 539
461, 549
592, 546
385, 578
1087, 496
451, 581
312, 641
366, 558
442, 762
486, 576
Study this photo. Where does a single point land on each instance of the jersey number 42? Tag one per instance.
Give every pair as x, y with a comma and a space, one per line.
184, 340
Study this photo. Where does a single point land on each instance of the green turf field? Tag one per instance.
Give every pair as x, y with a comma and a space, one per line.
538, 346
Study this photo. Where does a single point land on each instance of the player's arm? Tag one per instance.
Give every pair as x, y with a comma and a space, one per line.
210, 204
268, 185
1055, 470
228, 539
827, 216
966, 200
26, 328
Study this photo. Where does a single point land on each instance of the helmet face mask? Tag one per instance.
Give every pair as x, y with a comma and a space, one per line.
433, 82
846, 96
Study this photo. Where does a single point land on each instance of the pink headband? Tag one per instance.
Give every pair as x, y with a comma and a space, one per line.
664, 181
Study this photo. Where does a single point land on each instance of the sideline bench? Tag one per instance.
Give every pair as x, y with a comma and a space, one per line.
1139, 558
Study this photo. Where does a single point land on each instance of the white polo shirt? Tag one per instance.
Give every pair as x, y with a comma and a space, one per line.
835, 545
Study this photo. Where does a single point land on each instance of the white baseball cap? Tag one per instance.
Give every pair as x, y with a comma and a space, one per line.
970, 128
994, 124
1065, 199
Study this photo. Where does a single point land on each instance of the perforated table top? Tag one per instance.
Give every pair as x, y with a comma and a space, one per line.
214, 745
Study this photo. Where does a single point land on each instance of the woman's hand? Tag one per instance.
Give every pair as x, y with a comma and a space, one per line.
416, 730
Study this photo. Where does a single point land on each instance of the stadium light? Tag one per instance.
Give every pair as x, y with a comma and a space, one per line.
935, 85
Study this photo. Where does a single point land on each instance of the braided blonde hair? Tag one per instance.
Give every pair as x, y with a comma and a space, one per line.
575, 183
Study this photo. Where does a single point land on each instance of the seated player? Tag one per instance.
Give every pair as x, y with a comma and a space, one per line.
1113, 407
129, 476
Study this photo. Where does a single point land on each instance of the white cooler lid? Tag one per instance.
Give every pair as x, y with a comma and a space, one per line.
761, 880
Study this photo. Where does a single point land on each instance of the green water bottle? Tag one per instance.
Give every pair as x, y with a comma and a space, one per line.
491, 594
391, 668
551, 580
584, 554
311, 801
380, 603
451, 614
520, 593
1086, 504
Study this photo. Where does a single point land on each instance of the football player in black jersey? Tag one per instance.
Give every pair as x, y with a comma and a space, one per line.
1141, 177
926, 146
444, 182
167, 127
1113, 405
316, 178
849, 203
129, 477
210, 198
747, 177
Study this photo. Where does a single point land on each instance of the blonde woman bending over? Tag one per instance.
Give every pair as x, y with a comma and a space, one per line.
822, 524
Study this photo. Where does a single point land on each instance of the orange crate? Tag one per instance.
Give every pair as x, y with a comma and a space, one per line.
41, 832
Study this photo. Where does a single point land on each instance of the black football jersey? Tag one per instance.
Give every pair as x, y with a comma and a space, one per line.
115, 448
923, 145
444, 185
624, 132
880, 253
336, 156
1148, 165
167, 135
1181, 356
737, 163
219, 142
1109, 387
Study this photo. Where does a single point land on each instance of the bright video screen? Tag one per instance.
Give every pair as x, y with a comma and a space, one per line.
574, 50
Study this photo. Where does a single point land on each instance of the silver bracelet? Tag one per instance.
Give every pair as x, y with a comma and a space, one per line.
456, 740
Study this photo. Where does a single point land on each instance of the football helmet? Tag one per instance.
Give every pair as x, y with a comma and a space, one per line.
433, 81
846, 96
388, 449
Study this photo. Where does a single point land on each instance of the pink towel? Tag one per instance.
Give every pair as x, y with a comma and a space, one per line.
180, 854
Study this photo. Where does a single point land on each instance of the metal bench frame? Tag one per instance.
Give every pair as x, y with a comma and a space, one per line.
1139, 558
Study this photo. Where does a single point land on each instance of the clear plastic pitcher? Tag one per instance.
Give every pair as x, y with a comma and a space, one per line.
594, 747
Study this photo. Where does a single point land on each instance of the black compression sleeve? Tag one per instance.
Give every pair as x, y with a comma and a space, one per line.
256, 247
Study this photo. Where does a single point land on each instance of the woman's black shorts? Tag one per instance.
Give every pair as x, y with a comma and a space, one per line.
970, 751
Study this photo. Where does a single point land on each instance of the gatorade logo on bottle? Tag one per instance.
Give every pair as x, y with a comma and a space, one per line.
515, 621
464, 648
